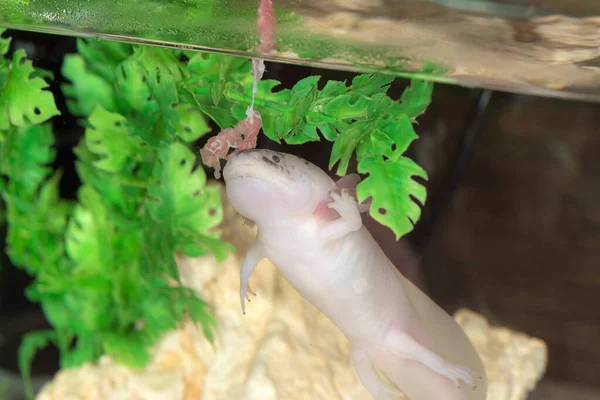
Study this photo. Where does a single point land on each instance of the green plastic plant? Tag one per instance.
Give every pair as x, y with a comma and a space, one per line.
104, 266
359, 118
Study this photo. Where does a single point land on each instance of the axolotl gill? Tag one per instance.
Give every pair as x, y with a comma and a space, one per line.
403, 345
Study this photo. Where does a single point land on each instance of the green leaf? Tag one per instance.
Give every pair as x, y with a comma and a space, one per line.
109, 136
416, 98
222, 117
346, 143
22, 98
160, 308
31, 344
393, 191
103, 56
4, 43
284, 113
390, 139
35, 230
178, 302
164, 92
132, 88
89, 302
216, 71
162, 59
329, 131
129, 349
83, 352
90, 232
333, 89
194, 245
26, 156
370, 84
190, 125
203, 225
206, 65
123, 193
129, 275
53, 305
198, 311
180, 198
86, 90
343, 107
106, 270
178, 186
302, 96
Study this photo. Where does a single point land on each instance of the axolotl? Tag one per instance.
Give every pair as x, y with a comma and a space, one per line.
403, 345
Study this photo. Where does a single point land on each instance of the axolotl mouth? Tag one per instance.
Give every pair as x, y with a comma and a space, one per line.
235, 169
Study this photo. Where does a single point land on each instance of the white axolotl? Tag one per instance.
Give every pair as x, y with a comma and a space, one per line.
402, 342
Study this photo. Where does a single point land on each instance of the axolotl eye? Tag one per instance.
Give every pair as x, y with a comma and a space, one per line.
273, 160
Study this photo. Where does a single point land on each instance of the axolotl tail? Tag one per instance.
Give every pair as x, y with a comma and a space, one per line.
441, 364
401, 371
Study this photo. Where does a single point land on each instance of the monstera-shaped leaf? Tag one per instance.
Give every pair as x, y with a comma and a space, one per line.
23, 98
180, 198
396, 198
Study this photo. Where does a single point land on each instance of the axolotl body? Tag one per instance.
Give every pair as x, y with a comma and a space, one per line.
403, 344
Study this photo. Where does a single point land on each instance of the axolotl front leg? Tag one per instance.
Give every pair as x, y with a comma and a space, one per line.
255, 253
349, 221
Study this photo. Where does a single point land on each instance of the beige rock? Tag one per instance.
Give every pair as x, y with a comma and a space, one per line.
514, 361
283, 348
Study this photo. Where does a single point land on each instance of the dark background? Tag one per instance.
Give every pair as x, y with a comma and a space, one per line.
511, 227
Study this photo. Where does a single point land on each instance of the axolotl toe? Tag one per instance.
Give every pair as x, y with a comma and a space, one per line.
311, 229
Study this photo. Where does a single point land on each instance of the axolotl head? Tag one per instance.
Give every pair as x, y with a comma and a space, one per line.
266, 186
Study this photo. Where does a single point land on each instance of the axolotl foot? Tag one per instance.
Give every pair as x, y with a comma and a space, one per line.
456, 372
347, 208
406, 347
244, 290
349, 217
254, 255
